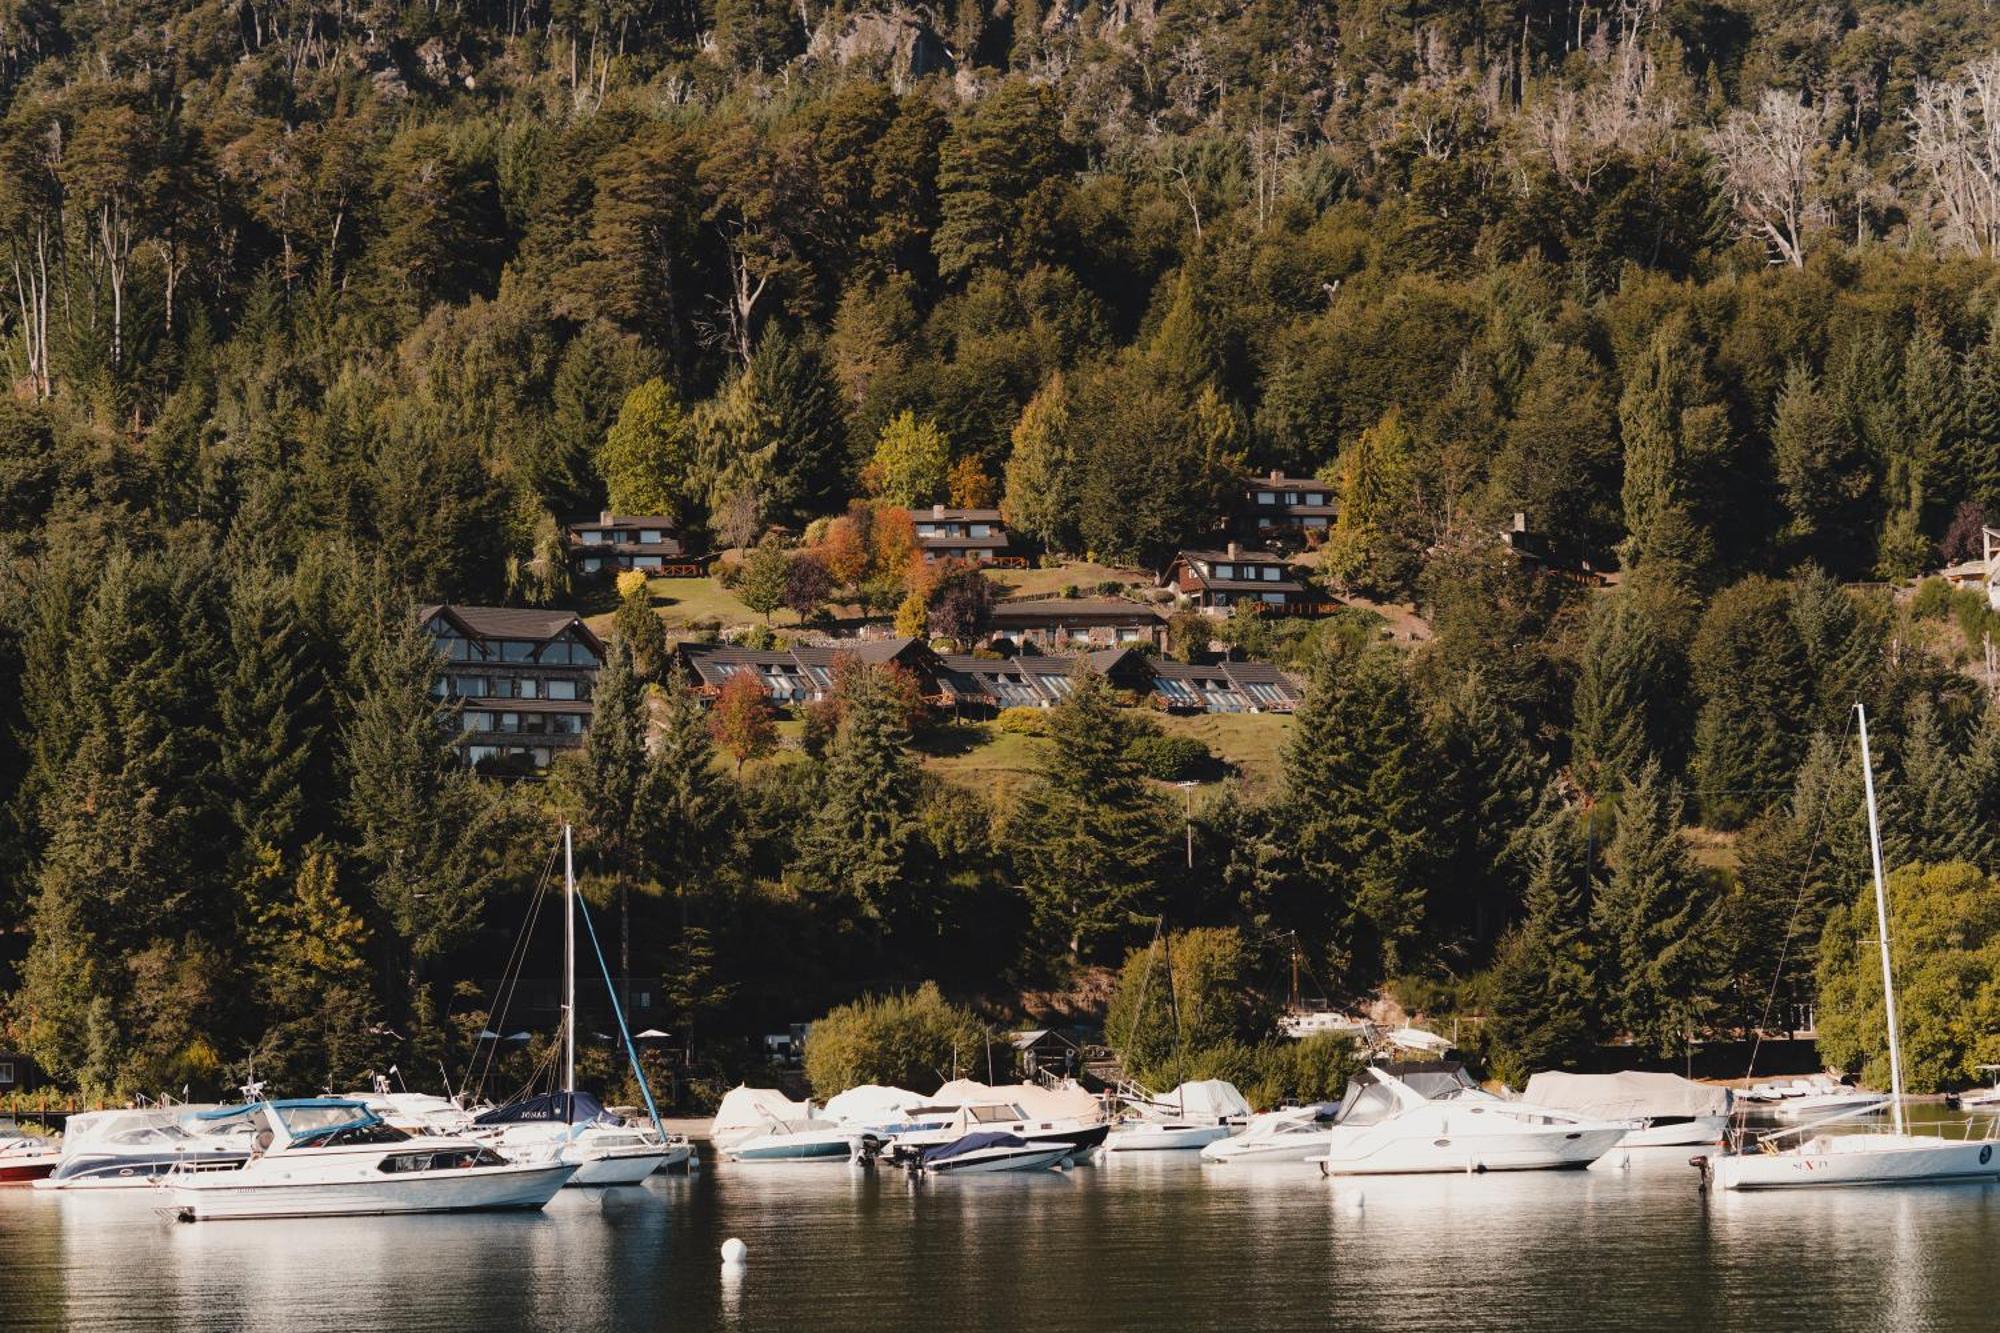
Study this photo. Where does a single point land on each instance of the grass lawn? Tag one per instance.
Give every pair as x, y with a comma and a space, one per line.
1051, 582
997, 762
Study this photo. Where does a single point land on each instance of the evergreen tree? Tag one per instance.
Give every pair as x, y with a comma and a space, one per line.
1668, 424
1843, 646
864, 838
1560, 462
1823, 469
608, 792
693, 804
1041, 496
648, 458
1091, 841
312, 984
1653, 918
1361, 800
801, 407
1540, 1015
1747, 666
1632, 671
765, 571
1491, 781
271, 707
1937, 804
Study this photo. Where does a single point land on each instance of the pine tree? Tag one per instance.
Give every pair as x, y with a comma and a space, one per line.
271, 707
1361, 799
1747, 666
807, 424
1041, 496
1823, 468
1091, 841
1653, 918
1655, 416
1540, 1014
1843, 647
608, 790
863, 838
312, 982
1937, 801
693, 804
1978, 462
1491, 781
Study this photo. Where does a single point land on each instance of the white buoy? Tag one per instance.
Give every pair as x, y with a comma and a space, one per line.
734, 1251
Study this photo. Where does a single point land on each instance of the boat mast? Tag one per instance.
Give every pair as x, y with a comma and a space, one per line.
1882, 927
569, 964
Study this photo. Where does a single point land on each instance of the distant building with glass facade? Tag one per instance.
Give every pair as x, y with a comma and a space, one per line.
522, 680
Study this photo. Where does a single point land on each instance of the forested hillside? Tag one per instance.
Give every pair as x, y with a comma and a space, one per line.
319, 310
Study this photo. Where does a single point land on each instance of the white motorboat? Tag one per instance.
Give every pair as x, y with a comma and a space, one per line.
937, 1125
1290, 1135
128, 1149
799, 1141
1670, 1111
25, 1158
1812, 1099
1804, 1156
333, 1157
1387, 1127
1980, 1097
1192, 1116
979, 1154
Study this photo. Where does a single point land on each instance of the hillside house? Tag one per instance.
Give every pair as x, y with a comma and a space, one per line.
618, 542
804, 673
1276, 504
522, 680
1217, 582
976, 536
1056, 623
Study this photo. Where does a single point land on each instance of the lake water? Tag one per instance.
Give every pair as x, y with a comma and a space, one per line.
1159, 1242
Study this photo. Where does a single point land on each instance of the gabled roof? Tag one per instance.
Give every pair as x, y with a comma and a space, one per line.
1238, 557
625, 521
510, 622
714, 663
936, 512
1062, 610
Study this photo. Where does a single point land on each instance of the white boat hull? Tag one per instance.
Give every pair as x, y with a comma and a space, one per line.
1797, 1110
1286, 1148
1679, 1134
602, 1170
1859, 1159
976, 1165
1364, 1152
1163, 1138
235, 1195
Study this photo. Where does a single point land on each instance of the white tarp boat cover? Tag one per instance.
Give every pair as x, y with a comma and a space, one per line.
1626, 1096
1064, 1102
1416, 1039
746, 1111
1205, 1099
871, 1104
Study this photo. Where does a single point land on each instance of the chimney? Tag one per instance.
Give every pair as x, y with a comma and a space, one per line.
937, 511
604, 517
1233, 550
1277, 475
1520, 521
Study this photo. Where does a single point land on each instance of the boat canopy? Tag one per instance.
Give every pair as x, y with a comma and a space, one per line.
870, 1104
752, 1110
971, 1143
1206, 1099
1630, 1095
1065, 1101
558, 1108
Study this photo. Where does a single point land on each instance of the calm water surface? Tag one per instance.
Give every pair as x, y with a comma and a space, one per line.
1160, 1242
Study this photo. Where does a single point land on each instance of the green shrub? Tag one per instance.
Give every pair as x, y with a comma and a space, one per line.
1170, 758
1023, 721
1311, 1069
913, 1040
1933, 600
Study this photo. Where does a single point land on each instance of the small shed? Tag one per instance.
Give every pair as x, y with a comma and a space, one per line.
18, 1073
1042, 1051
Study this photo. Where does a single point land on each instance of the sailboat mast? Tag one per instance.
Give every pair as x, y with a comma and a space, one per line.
569, 964
1882, 927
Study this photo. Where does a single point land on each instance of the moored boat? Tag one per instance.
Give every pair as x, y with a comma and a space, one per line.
1192, 1116
128, 1149
1289, 1135
333, 1157
25, 1158
1387, 1127
1668, 1110
983, 1153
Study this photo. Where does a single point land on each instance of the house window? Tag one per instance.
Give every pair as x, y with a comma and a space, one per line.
1267, 498
1291, 497
540, 757
527, 687
927, 529
1316, 520
510, 722
622, 538
562, 689
592, 565
1225, 571
979, 530
1271, 573
650, 535
1127, 635
565, 724
475, 721
592, 537
514, 650
1266, 521
1274, 598
1316, 498
647, 562
7, 1072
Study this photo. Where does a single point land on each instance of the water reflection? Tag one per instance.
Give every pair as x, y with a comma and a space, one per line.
1162, 1241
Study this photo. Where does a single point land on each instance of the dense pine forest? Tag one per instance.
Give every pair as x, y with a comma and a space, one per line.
318, 310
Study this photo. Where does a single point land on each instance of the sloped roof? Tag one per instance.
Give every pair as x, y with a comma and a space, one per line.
508, 622
1061, 609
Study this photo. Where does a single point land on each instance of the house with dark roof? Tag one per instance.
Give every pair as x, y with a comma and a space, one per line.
522, 680
1225, 687
1548, 554
1055, 623
1275, 504
804, 673
1220, 581
976, 536
987, 684
618, 542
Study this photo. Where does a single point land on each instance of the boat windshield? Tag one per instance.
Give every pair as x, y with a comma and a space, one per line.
324, 1125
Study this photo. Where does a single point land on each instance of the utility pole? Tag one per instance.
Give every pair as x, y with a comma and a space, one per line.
1187, 794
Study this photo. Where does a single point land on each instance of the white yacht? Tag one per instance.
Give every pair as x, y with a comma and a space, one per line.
333, 1157
127, 1149
1192, 1116
1670, 1111
1290, 1135
1802, 1156
1387, 1127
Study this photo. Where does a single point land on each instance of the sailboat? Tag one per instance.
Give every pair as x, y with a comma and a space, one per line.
572, 1126
1793, 1158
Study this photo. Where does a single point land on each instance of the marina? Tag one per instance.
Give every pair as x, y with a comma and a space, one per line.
1133, 1240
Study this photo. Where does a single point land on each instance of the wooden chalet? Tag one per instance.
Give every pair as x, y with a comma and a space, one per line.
976, 536
522, 679
18, 1073
804, 673
1225, 687
1078, 622
618, 542
1220, 581
1275, 503
1548, 554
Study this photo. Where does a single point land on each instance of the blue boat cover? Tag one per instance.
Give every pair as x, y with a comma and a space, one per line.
972, 1143
561, 1108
